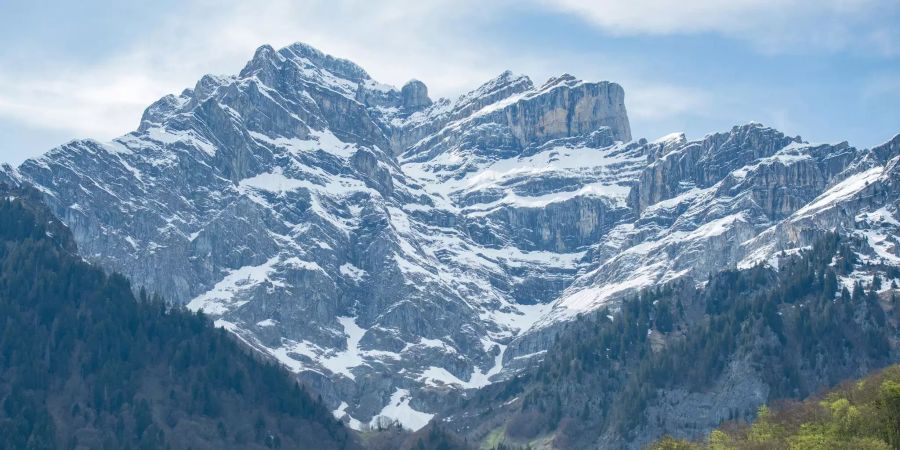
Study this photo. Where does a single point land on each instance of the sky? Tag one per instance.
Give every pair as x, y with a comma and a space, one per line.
827, 70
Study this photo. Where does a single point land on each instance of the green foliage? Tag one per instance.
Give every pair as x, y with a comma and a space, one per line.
860, 415
670, 443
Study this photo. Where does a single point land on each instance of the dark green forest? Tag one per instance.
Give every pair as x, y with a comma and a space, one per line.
796, 329
86, 363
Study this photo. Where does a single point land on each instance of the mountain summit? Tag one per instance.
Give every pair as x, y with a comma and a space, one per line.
395, 251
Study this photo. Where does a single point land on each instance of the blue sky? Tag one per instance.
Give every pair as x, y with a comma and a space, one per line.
828, 70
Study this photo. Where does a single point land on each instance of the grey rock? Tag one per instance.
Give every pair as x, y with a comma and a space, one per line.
414, 95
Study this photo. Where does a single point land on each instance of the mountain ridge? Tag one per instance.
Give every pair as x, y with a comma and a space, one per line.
395, 251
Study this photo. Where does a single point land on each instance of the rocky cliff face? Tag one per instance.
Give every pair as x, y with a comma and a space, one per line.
8, 175
273, 201
395, 251
414, 96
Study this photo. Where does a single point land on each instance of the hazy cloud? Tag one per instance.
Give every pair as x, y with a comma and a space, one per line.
394, 40
773, 25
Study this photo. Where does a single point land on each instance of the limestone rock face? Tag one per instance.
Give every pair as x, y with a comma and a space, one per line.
408, 129
395, 252
679, 166
516, 116
883, 153
414, 95
570, 108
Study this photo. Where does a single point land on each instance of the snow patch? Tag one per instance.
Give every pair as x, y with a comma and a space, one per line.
398, 409
354, 273
324, 141
188, 137
840, 191
341, 413
222, 297
479, 378
342, 361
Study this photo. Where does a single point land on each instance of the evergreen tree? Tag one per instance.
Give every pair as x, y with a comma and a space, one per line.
787, 324
125, 369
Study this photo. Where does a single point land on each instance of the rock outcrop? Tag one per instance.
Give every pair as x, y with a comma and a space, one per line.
414, 96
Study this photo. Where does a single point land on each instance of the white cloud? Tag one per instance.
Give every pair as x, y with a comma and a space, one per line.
91, 104
774, 25
395, 40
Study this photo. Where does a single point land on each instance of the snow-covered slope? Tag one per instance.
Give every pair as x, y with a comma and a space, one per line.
394, 250
696, 203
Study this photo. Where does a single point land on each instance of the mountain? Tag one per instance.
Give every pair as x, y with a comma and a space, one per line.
86, 364
398, 252
679, 359
859, 414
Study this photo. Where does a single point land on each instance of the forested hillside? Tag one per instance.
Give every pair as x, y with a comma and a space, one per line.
682, 358
84, 363
859, 415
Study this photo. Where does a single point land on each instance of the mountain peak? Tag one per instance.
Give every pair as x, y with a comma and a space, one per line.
305, 55
509, 75
263, 51
506, 78
341, 67
888, 150
414, 95
565, 78
261, 57
497, 88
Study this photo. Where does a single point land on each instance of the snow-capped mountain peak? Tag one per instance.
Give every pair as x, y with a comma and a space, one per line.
394, 250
